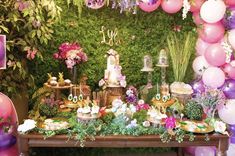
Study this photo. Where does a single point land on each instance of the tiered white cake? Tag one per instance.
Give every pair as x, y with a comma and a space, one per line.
113, 75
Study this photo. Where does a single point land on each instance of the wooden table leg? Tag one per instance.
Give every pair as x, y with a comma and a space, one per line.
24, 147
180, 151
223, 147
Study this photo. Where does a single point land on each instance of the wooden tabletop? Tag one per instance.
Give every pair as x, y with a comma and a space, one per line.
117, 141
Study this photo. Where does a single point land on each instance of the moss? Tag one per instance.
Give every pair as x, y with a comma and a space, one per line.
141, 34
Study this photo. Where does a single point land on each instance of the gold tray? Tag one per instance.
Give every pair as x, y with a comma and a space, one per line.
42, 124
200, 126
58, 87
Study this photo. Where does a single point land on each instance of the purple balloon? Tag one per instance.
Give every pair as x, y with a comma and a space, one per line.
229, 88
6, 137
198, 86
2, 51
229, 19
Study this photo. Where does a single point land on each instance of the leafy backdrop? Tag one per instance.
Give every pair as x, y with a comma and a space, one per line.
141, 34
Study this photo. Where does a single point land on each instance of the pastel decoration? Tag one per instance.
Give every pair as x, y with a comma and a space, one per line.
197, 18
226, 113
212, 33
201, 46
229, 2
215, 55
171, 6
196, 5
204, 151
213, 77
148, 6
229, 69
231, 38
228, 89
200, 65
213, 11
5, 107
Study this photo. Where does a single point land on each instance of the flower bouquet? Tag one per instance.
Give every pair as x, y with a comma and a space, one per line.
71, 53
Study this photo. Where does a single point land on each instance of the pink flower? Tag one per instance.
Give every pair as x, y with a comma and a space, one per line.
31, 54
170, 122
70, 63
142, 107
22, 5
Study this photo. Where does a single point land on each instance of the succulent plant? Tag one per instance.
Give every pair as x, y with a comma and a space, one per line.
193, 110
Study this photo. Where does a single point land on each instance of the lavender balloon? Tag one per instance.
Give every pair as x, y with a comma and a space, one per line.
229, 19
6, 137
198, 86
229, 88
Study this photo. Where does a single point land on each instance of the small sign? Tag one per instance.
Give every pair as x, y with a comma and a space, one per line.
2, 51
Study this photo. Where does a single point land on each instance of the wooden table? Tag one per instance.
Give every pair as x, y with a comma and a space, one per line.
37, 140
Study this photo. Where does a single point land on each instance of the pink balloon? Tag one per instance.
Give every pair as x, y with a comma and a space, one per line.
196, 5
200, 65
204, 151
229, 69
213, 77
171, 6
148, 7
201, 46
230, 2
12, 151
211, 33
197, 19
215, 55
5, 107
227, 113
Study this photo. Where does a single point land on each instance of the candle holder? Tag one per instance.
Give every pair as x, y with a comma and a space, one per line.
148, 64
163, 64
232, 137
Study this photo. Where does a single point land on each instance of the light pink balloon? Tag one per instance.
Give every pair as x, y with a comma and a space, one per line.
171, 6
213, 77
230, 2
211, 33
231, 38
204, 151
196, 5
215, 55
197, 18
227, 113
213, 11
229, 69
5, 107
147, 7
201, 46
200, 65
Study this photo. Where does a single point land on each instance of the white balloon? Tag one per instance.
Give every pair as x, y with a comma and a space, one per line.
227, 113
231, 38
213, 11
200, 65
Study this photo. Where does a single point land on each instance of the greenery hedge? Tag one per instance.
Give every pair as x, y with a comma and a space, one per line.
141, 34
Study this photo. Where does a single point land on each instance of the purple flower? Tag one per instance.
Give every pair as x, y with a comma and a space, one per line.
132, 124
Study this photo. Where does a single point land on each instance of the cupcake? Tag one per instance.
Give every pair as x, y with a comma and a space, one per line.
67, 82
86, 111
53, 83
95, 111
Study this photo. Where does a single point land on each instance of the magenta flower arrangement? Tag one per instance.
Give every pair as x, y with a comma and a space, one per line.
170, 122
71, 53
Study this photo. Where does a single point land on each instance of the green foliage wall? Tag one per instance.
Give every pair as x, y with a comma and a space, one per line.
141, 34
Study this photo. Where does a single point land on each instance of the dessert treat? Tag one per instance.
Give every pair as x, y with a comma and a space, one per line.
55, 124
67, 82
113, 76
155, 116
181, 91
53, 83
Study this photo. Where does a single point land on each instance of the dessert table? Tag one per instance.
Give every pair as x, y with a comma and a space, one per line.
37, 140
